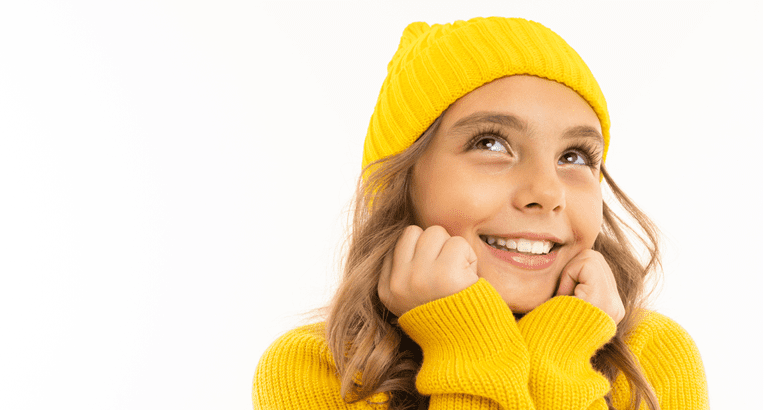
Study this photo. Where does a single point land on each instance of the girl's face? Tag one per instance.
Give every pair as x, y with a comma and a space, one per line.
515, 160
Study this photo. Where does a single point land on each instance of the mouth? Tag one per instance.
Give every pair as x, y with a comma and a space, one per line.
528, 254
521, 246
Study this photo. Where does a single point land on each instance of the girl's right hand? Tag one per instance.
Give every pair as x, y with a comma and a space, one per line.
426, 265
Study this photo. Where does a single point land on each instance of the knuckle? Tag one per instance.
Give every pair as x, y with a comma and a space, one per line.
436, 228
412, 229
456, 243
436, 231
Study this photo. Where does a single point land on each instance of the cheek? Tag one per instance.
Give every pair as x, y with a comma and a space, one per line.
455, 202
589, 216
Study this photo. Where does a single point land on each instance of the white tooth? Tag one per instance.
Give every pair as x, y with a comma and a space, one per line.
548, 246
491, 240
511, 244
500, 242
524, 245
537, 247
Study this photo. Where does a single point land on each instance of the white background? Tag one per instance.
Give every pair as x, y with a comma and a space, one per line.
173, 177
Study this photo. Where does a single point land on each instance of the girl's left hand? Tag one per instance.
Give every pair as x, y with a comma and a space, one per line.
588, 277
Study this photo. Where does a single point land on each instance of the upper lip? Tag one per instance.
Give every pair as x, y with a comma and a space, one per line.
529, 235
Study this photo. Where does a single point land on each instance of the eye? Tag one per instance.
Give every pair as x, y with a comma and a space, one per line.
490, 144
573, 158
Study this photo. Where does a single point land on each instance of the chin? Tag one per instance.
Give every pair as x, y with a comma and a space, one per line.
522, 290
525, 305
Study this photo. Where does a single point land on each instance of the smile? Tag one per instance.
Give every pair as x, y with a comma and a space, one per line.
520, 245
523, 259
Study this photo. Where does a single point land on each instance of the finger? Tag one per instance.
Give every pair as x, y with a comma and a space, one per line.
430, 243
386, 270
608, 271
458, 247
595, 276
460, 263
406, 245
567, 284
385, 294
570, 276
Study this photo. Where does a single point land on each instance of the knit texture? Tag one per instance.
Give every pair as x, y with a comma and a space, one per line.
436, 65
476, 356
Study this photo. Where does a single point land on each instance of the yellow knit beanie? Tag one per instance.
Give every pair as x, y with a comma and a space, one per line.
436, 65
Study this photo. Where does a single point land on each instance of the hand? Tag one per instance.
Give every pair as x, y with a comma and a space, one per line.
426, 265
588, 277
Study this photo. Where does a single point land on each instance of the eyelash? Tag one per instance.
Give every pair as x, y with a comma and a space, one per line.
486, 132
592, 155
589, 152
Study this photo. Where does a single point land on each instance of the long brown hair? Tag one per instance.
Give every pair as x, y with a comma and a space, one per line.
373, 355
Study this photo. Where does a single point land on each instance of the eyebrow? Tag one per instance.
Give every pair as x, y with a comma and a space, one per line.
518, 124
481, 117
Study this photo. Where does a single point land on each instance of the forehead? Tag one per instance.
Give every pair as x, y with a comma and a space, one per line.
539, 102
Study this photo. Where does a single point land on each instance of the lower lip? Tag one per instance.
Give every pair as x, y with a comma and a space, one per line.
530, 262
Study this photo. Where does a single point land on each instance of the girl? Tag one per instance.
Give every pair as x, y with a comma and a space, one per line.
485, 270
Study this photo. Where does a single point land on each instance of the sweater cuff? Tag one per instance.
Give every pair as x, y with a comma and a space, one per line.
567, 330
474, 325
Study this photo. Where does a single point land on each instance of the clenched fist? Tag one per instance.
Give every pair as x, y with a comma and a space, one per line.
426, 265
588, 277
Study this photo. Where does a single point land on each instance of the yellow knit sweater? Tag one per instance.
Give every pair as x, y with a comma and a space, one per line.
476, 356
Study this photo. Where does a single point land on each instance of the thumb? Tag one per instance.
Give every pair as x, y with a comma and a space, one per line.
567, 284
471, 258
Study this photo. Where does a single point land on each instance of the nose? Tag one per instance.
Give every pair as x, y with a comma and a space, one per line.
539, 190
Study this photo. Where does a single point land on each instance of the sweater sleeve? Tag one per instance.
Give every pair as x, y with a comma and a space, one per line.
562, 335
476, 356
297, 372
670, 362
